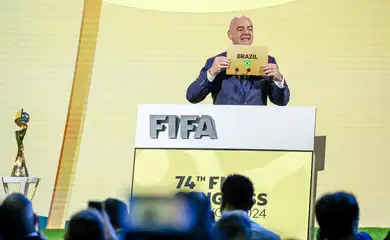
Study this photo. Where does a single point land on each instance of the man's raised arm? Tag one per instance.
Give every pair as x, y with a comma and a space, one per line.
278, 93
201, 87
276, 89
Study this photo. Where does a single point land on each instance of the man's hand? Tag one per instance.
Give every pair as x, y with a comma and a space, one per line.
218, 64
272, 70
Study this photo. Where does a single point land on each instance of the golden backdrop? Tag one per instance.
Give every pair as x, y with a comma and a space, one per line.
334, 54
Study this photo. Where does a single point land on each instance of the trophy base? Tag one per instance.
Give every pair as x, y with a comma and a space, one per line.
24, 184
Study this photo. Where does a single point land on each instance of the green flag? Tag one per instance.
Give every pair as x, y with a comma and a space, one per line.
247, 63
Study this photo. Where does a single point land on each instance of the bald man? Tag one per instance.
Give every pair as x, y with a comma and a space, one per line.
238, 90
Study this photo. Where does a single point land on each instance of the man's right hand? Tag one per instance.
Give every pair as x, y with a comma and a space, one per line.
218, 64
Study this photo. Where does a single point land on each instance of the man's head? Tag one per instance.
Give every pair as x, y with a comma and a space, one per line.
237, 193
87, 224
241, 30
118, 213
201, 211
232, 226
337, 215
17, 217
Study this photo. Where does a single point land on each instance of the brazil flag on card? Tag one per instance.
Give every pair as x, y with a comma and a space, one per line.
247, 63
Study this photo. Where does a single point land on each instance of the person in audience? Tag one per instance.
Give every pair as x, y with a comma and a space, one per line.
118, 213
18, 220
338, 217
232, 226
237, 196
388, 236
204, 216
87, 224
90, 224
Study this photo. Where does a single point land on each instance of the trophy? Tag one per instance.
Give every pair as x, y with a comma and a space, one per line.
19, 173
20, 168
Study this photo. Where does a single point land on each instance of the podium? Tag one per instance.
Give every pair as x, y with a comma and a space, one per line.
194, 147
23, 182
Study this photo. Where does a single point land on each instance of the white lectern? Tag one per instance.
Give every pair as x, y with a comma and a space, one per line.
23, 182
193, 147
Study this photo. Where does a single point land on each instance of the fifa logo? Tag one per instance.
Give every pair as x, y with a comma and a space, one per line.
200, 126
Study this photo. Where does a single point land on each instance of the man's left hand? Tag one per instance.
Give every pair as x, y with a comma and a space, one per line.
272, 70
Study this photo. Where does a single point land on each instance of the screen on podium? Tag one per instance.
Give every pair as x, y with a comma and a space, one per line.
281, 179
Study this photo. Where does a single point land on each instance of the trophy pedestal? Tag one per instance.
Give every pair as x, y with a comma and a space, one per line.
24, 184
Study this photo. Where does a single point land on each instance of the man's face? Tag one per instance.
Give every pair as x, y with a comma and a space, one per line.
241, 31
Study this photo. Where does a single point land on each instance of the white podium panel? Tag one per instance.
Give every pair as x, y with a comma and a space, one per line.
237, 127
23, 182
194, 147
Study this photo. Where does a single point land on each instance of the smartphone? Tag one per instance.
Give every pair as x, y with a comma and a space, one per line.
96, 205
153, 213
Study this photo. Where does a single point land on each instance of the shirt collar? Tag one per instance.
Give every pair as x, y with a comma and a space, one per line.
235, 212
33, 234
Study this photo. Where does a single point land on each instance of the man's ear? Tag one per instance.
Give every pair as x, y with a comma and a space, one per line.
229, 34
253, 202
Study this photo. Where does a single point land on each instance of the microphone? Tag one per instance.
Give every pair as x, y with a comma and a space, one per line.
236, 71
247, 71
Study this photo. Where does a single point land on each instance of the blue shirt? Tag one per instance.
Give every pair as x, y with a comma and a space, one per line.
258, 232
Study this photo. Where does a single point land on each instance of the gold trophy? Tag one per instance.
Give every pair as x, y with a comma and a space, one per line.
20, 168
19, 173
